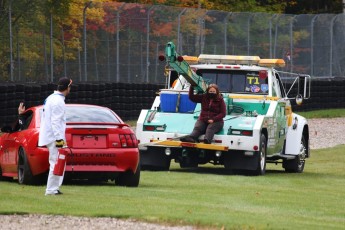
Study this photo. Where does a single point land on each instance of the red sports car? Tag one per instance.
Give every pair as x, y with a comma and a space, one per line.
101, 147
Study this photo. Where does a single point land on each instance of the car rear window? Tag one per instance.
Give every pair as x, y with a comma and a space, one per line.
90, 114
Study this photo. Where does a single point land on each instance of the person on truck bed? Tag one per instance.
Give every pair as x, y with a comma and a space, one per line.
213, 111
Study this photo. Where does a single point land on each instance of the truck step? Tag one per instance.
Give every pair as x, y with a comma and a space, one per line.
281, 156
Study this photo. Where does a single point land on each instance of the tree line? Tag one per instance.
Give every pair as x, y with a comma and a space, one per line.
27, 24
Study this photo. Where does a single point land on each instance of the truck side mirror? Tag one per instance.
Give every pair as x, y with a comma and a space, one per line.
303, 87
299, 99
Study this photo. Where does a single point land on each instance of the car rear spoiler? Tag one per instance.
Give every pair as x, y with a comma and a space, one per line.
98, 123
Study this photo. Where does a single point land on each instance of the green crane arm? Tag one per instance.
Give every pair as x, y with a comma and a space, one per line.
183, 68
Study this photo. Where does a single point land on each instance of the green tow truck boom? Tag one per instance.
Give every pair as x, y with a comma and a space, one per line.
177, 63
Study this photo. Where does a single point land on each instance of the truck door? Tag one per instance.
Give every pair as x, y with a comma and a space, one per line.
280, 113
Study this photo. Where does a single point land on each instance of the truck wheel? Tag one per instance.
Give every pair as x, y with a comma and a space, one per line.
129, 178
261, 167
24, 171
297, 165
189, 159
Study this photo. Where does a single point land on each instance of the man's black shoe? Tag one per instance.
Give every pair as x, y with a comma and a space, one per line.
58, 192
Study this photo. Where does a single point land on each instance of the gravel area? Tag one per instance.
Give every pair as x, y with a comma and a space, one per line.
324, 133
37, 222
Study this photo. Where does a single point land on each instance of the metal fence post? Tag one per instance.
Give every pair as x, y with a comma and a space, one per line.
331, 47
291, 42
117, 42
84, 36
270, 31
226, 20
275, 38
179, 43
148, 43
312, 45
11, 35
18, 56
51, 50
45, 56
248, 33
63, 52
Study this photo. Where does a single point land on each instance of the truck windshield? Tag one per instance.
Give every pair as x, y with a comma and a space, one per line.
236, 81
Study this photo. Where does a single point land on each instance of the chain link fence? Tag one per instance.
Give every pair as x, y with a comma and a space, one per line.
128, 52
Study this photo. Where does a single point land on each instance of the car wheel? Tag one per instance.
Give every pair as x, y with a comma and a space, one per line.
297, 165
261, 166
129, 178
24, 171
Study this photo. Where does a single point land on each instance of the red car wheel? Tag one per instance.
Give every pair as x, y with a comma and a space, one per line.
129, 178
24, 171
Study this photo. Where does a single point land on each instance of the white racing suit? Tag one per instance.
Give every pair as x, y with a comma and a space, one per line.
53, 127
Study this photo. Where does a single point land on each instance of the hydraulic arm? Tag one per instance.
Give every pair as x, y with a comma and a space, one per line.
177, 63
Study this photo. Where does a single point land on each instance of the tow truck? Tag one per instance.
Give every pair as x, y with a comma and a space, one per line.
259, 126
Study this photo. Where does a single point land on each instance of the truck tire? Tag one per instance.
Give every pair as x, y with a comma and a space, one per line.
261, 167
297, 165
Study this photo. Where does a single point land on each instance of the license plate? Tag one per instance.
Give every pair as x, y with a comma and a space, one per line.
89, 141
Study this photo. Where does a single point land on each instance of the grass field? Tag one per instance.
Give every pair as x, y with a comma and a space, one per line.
206, 197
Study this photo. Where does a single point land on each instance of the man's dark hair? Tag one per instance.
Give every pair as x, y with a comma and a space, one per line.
64, 83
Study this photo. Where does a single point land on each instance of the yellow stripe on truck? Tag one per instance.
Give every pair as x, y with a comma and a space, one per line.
170, 143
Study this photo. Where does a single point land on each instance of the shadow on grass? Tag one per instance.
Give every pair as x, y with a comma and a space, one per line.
204, 170
223, 171
88, 182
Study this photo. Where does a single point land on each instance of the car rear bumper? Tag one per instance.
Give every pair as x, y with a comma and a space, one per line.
88, 160
102, 160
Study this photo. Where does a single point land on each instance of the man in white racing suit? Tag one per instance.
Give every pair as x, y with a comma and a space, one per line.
52, 131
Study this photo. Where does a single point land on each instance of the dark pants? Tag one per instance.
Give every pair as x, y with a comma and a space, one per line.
209, 130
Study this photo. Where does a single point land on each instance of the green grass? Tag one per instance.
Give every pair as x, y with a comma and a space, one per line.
207, 197
327, 113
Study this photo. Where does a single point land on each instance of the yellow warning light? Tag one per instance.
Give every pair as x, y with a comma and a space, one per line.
272, 62
191, 59
228, 59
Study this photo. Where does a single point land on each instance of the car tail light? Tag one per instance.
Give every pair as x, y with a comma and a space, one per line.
128, 141
247, 133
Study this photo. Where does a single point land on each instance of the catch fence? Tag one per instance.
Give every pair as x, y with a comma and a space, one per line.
126, 46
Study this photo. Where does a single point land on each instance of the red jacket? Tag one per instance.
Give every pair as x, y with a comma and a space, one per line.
213, 109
